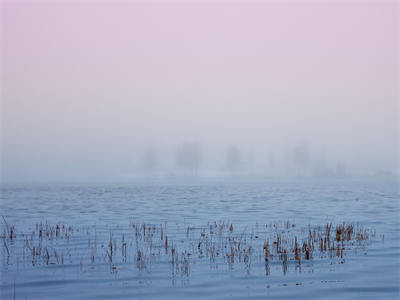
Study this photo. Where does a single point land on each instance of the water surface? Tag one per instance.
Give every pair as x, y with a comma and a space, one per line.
368, 271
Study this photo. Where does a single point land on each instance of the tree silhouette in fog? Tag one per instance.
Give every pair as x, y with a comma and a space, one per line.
233, 159
189, 157
301, 158
149, 160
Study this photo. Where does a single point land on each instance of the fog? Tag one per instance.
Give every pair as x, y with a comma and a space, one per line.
123, 90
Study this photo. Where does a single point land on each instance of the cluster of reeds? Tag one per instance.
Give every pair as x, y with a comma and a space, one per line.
216, 243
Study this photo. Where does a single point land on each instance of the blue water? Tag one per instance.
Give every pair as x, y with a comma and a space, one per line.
369, 271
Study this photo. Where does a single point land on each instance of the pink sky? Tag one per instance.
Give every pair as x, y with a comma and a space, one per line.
86, 74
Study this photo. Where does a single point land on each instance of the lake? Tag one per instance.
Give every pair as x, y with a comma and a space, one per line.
202, 239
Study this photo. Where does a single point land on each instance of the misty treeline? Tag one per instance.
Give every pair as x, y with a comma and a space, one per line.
194, 159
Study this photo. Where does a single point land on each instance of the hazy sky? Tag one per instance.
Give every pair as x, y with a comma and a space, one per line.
88, 85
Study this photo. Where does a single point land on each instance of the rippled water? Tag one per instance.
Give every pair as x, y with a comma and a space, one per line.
371, 272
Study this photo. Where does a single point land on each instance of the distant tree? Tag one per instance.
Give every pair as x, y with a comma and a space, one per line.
271, 160
149, 159
301, 157
233, 159
271, 163
341, 170
189, 157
